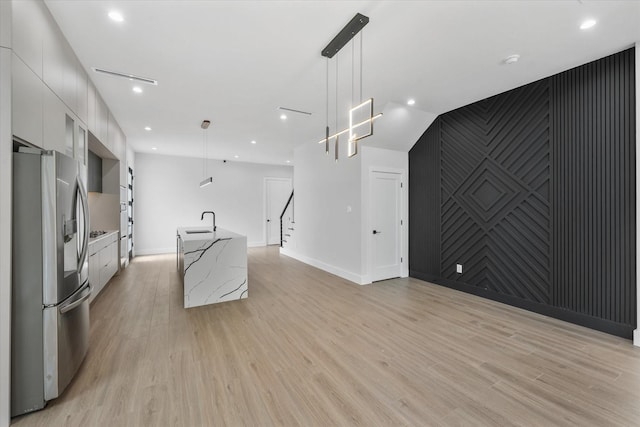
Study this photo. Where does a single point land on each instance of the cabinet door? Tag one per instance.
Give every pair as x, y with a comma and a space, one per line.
28, 25
105, 268
91, 107
80, 152
102, 121
26, 103
94, 275
82, 87
114, 256
56, 125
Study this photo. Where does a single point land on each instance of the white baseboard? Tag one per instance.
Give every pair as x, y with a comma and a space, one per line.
155, 251
352, 277
636, 337
256, 244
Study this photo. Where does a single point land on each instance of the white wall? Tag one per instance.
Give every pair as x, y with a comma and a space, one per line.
327, 235
5, 211
167, 196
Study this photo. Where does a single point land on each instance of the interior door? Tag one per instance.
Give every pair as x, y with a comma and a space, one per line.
277, 191
385, 225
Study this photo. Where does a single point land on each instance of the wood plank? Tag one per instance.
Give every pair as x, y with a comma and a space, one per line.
308, 348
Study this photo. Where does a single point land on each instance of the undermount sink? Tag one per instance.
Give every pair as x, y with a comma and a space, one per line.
198, 231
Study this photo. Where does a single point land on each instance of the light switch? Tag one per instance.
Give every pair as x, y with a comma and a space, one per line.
459, 268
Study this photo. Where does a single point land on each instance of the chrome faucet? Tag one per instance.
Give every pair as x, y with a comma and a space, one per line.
214, 218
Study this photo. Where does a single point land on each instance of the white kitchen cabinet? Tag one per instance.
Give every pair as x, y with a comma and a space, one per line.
82, 88
26, 103
94, 275
27, 26
81, 147
102, 121
69, 77
91, 107
53, 56
103, 262
56, 124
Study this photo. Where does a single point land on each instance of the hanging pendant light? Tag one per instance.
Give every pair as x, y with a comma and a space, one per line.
205, 125
361, 117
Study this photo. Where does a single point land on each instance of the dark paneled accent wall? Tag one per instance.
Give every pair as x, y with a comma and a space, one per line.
533, 192
424, 172
594, 189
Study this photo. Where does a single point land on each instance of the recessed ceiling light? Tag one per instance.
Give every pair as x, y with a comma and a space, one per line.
288, 161
411, 102
511, 59
147, 128
154, 148
253, 142
116, 16
283, 116
236, 156
137, 89
587, 24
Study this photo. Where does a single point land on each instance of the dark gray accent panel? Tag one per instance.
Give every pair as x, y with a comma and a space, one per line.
424, 202
594, 189
537, 197
95, 173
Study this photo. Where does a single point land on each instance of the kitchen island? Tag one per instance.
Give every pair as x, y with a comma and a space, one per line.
213, 265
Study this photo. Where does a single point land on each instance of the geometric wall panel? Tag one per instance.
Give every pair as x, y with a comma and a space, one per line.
533, 192
495, 198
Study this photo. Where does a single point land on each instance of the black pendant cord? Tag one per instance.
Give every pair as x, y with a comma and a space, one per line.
361, 36
326, 142
203, 162
353, 55
337, 136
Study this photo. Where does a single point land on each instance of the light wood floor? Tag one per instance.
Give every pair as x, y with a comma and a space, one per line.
307, 348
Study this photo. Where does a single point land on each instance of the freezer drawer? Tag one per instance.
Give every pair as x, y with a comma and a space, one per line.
66, 340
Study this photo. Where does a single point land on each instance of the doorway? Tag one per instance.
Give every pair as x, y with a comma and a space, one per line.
386, 225
277, 192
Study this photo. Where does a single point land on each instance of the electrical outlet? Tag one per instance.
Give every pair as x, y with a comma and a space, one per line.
459, 268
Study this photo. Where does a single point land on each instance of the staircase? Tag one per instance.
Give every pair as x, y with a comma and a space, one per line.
287, 223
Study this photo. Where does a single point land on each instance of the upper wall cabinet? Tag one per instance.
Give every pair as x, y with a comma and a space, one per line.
82, 87
26, 102
102, 121
91, 108
28, 26
58, 125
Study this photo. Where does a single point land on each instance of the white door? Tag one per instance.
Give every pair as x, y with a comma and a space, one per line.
277, 192
385, 225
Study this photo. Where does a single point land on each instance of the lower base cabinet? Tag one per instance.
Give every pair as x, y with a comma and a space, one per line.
103, 262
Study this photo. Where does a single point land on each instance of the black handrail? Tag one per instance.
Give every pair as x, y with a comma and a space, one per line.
281, 215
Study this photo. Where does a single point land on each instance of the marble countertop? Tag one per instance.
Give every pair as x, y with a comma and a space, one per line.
93, 240
220, 233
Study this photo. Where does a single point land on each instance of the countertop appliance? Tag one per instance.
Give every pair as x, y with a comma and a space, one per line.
50, 307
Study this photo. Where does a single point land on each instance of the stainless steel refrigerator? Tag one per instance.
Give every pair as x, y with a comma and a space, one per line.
50, 307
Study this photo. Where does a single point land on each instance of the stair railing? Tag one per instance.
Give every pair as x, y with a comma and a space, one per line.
286, 206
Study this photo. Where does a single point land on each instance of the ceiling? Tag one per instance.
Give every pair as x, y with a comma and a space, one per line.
236, 62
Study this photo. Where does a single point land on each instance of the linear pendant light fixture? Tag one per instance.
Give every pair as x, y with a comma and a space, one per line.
205, 125
361, 116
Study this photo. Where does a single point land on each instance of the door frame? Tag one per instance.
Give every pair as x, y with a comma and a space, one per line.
265, 232
404, 229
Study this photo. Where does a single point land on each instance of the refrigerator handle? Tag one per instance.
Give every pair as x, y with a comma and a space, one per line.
85, 212
72, 305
